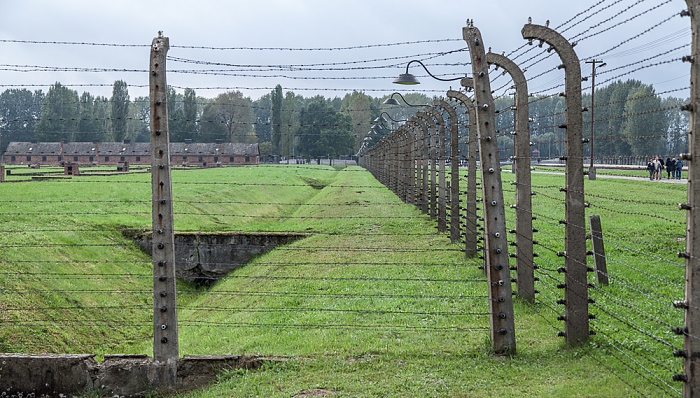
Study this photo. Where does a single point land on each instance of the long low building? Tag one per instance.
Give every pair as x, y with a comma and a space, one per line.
113, 153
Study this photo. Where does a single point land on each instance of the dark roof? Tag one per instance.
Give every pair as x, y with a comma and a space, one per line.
126, 149
36, 148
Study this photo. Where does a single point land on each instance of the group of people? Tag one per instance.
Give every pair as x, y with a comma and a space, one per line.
673, 166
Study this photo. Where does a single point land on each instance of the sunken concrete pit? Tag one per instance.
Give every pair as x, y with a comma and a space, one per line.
205, 257
54, 375
200, 257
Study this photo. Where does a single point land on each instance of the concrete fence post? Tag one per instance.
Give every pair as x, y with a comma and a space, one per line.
576, 280
422, 162
437, 189
165, 328
431, 157
471, 224
691, 304
454, 168
495, 242
598, 245
525, 267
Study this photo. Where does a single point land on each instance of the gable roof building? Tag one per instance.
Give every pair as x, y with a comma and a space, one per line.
113, 153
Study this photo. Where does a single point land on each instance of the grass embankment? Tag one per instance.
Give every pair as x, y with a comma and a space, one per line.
373, 303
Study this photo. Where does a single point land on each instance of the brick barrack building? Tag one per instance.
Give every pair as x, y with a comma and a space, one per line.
137, 153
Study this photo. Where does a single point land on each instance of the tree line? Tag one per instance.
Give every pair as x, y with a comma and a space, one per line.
630, 119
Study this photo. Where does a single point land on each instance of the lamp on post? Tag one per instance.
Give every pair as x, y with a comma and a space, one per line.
409, 79
380, 119
593, 62
392, 101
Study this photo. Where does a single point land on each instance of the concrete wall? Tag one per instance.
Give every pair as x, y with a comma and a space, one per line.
205, 257
118, 375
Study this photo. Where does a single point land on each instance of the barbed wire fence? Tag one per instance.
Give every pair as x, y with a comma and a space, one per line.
639, 338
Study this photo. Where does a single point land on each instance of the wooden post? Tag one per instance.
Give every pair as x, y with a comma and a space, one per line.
576, 285
165, 338
601, 266
525, 267
495, 242
691, 345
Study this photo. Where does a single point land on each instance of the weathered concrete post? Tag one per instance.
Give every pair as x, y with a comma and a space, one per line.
454, 168
401, 162
691, 304
525, 267
431, 157
471, 225
165, 337
407, 165
437, 184
598, 245
415, 161
423, 161
495, 242
576, 282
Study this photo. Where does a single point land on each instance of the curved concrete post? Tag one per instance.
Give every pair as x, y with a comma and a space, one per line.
576, 286
453, 198
495, 242
471, 232
525, 271
421, 118
405, 162
414, 156
430, 156
437, 174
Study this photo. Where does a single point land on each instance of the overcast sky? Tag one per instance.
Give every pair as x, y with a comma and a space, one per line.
340, 46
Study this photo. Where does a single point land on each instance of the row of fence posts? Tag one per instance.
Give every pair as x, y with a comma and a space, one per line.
402, 159
406, 161
411, 162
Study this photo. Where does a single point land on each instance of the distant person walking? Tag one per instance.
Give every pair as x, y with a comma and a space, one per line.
670, 167
679, 169
651, 167
658, 167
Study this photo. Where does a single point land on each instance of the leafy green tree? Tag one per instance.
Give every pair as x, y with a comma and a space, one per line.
140, 119
176, 115
101, 113
358, 107
228, 117
88, 125
289, 127
324, 131
262, 109
191, 113
19, 112
645, 126
276, 117
120, 109
678, 125
59, 114
265, 148
616, 110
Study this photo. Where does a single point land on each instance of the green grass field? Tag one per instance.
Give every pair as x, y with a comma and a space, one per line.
374, 303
